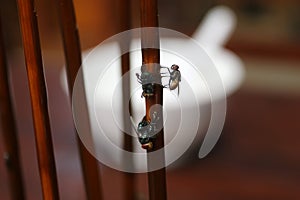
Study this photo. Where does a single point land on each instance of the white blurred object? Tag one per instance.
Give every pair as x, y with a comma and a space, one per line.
216, 28
211, 35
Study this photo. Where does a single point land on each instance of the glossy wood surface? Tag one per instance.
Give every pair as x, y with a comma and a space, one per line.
38, 95
151, 59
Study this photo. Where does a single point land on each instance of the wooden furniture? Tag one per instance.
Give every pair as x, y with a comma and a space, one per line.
28, 21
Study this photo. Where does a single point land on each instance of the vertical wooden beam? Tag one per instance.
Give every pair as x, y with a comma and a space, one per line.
124, 25
38, 95
129, 180
72, 51
151, 61
9, 132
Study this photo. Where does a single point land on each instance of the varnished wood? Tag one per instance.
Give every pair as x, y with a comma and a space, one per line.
9, 132
151, 58
38, 95
72, 51
127, 139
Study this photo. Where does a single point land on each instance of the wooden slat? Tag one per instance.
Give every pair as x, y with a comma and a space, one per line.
151, 57
72, 51
38, 95
124, 25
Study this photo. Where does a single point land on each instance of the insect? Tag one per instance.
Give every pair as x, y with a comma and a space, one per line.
147, 81
147, 130
175, 77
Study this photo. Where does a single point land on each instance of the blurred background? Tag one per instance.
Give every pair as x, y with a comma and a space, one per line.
258, 154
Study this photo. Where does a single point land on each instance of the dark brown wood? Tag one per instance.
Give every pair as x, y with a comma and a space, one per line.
125, 24
72, 51
38, 95
9, 132
151, 57
128, 139
71, 40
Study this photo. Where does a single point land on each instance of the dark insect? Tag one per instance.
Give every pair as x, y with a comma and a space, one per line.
147, 81
147, 130
175, 77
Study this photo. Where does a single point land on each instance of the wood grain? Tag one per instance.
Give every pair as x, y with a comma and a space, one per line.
151, 59
38, 95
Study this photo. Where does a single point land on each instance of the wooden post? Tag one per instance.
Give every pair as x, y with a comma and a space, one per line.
72, 50
151, 60
38, 95
9, 132
124, 25
127, 140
